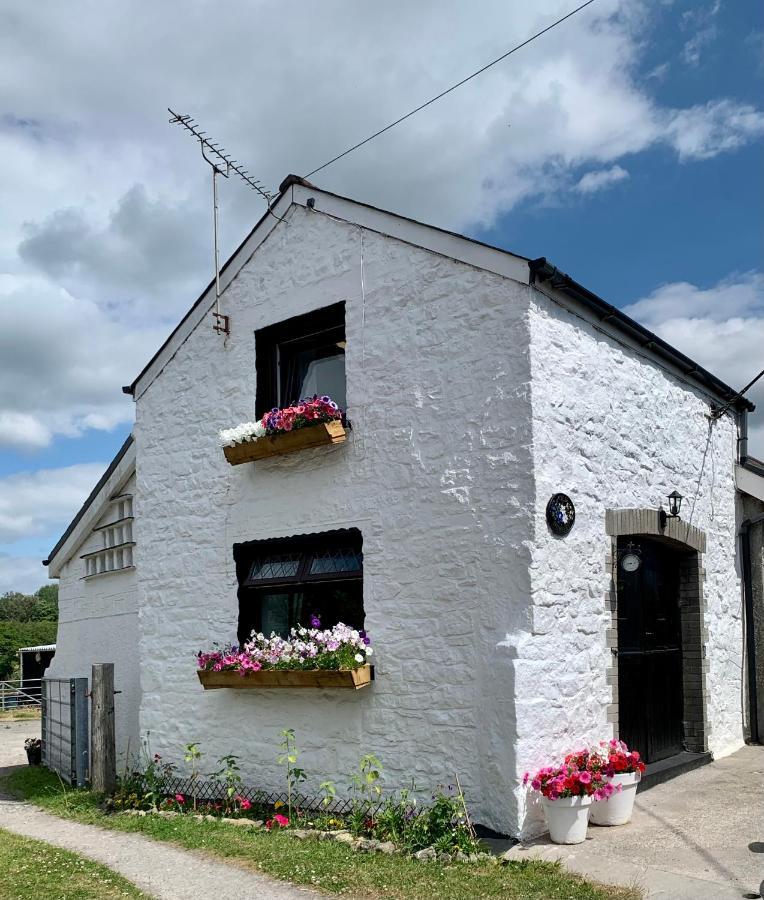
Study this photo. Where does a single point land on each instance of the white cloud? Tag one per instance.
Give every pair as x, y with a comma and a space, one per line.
601, 179
21, 573
722, 327
35, 503
105, 234
63, 361
699, 19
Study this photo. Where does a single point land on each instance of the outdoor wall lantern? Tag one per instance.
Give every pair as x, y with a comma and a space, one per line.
675, 504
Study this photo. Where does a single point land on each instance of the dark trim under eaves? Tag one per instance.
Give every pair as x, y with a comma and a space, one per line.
544, 272
91, 497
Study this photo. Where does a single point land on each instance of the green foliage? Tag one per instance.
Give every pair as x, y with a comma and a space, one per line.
323, 865
229, 774
33, 869
288, 759
191, 756
364, 790
40, 606
15, 634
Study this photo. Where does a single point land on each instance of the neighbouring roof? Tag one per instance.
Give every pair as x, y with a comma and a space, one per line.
91, 498
39, 649
538, 270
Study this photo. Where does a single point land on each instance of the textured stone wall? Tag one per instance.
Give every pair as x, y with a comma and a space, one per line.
613, 430
436, 474
98, 622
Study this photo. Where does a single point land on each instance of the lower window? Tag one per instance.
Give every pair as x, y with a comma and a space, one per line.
284, 583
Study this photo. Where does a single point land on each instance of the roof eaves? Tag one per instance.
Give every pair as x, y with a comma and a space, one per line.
91, 497
543, 271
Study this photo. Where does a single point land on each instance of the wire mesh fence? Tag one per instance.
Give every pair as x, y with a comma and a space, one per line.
65, 733
213, 791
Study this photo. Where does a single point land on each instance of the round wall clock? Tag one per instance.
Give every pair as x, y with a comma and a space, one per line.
630, 562
560, 514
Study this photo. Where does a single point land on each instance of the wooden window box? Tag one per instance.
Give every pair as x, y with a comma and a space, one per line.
287, 442
351, 679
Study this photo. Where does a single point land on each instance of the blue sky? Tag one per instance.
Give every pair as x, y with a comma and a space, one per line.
626, 146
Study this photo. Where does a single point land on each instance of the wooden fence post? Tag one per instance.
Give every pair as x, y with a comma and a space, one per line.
103, 754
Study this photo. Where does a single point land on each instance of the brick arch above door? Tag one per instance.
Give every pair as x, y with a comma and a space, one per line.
647, 522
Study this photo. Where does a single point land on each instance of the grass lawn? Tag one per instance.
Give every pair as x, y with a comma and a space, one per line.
330, 867
19, 715
32, 869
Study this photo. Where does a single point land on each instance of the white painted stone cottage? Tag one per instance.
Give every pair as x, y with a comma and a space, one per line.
478, 385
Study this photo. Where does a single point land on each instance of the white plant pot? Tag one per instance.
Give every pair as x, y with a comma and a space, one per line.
616, 810
567, 818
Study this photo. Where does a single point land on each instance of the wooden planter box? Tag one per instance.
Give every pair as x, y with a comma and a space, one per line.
310, 436
352, 679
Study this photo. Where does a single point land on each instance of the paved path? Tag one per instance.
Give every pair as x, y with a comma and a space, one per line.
162, 871
698, 837
12, 737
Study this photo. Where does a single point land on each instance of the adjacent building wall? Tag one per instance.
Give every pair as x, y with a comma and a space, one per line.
98, 623
614, 430
437, 475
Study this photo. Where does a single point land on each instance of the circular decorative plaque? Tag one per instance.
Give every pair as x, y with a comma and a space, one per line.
560, 514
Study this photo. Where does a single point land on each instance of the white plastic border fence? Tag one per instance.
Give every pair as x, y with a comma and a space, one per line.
65, 734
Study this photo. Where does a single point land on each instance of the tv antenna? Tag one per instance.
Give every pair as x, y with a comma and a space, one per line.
221, 163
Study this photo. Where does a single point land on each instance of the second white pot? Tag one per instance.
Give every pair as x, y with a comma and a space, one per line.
617, 810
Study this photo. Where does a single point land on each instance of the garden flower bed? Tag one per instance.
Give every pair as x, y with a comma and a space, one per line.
310, 657
312, 422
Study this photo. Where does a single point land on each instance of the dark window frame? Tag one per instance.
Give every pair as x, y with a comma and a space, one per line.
308, 547
305, 328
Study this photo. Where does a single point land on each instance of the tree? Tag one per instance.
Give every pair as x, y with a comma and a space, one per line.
26, 620
40, 606
14, 635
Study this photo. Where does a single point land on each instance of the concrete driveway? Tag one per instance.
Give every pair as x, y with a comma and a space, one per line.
698, 837
12, 737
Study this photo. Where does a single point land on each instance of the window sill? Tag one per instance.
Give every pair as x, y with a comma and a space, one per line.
351, 679
107, 572
288, 442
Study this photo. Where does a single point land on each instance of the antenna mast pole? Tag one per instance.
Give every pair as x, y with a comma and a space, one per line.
221, 164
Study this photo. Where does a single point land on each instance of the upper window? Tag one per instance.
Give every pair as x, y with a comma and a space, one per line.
301, 357
286, 582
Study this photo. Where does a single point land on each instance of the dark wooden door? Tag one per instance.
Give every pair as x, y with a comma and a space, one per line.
650, 653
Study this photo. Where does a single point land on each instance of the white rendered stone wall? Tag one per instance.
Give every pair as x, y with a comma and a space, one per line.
436, 474
98, 623
614, 430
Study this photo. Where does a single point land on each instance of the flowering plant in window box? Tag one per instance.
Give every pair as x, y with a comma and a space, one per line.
309, 657
309, 423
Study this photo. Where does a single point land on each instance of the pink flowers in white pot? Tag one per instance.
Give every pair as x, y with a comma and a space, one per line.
567, 792
596, 783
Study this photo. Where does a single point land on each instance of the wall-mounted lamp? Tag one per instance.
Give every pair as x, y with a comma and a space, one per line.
675, 504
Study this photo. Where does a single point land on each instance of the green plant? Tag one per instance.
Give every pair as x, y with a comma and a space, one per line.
229, 774
364, 790
444, 825
329, 791
152, 781
191, 757
288, 759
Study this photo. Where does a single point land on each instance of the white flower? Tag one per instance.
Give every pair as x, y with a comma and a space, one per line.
359, 657
369, 651
247, 431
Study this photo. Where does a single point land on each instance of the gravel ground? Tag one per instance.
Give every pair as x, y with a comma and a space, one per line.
162, 871
12, 737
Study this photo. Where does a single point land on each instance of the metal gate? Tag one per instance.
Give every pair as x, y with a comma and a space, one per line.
65, 735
